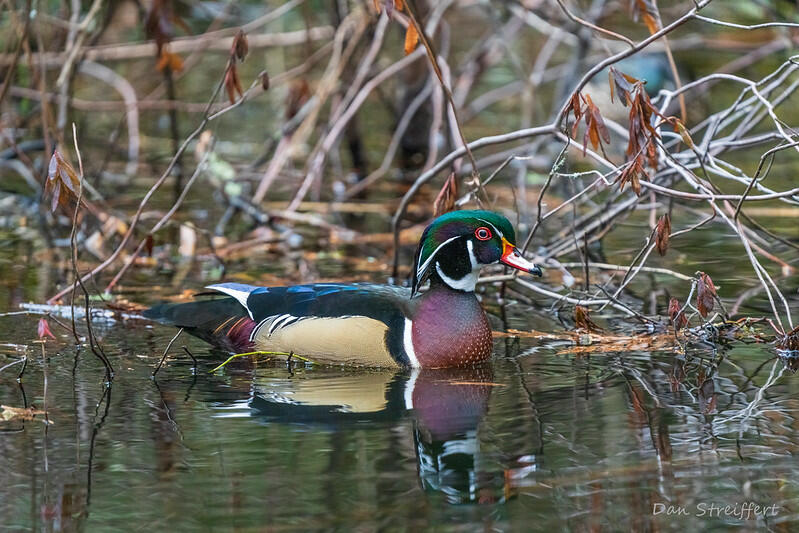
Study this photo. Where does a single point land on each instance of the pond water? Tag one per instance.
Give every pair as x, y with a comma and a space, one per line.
544, 436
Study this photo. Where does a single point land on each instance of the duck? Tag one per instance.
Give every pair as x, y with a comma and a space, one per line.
367, 324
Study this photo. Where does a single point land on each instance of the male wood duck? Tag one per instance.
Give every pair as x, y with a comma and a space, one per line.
367, 324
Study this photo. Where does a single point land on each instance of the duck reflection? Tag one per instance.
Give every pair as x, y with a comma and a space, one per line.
444, 405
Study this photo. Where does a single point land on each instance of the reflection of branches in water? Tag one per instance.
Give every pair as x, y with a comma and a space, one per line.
748, 411
95, 431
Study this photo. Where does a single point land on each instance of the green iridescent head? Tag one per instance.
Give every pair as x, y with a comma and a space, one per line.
456, 244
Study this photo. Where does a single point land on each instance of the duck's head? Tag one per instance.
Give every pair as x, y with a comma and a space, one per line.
456, 245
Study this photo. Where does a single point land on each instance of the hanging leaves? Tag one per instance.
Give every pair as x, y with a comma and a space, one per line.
662, 233
677, 316
240, 46
582, 107
705, 294
445, 200
238, 51
631, 175
43, 329
62, 181
411, 38
232, 84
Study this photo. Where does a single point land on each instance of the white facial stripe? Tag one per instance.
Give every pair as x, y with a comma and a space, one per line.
423, 267
407, 343
472, 258
493, 226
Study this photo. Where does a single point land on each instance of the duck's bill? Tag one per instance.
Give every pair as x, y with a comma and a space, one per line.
512, 257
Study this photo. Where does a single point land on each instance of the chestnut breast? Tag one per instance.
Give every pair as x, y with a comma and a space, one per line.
450, 329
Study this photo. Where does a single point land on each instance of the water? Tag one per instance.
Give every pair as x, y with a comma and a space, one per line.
541, 437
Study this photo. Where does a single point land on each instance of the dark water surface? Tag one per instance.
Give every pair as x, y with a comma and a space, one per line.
540, 438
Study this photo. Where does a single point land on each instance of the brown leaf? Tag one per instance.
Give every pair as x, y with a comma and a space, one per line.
705, 294
662, 233
264, 77
62, 181
411, 38
582, 319
399, 5
623, 83
631, 174
232, 84
43, 329
599, 123
445, 200
240, 46
677, 317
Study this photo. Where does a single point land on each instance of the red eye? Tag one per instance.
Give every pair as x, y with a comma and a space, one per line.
483, 233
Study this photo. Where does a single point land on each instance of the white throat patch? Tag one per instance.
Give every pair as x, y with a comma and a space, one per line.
469, 281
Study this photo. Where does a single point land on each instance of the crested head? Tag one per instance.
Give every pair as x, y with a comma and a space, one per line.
455, 245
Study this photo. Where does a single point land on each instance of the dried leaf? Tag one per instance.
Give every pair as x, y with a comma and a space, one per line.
411, 38
623, 83
240, 46
445, 200
705, 294
232, 84
598, 122
399, 5
582, 319
677, 316
62, 181
662, 233
631, 174
680, 128
264, 77
43, 329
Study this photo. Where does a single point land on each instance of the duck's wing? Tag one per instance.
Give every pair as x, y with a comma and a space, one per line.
358, 323
364, 322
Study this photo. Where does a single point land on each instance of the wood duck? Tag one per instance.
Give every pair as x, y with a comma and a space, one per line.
367, 324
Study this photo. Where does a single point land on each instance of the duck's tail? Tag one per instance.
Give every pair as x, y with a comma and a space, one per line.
223, 322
